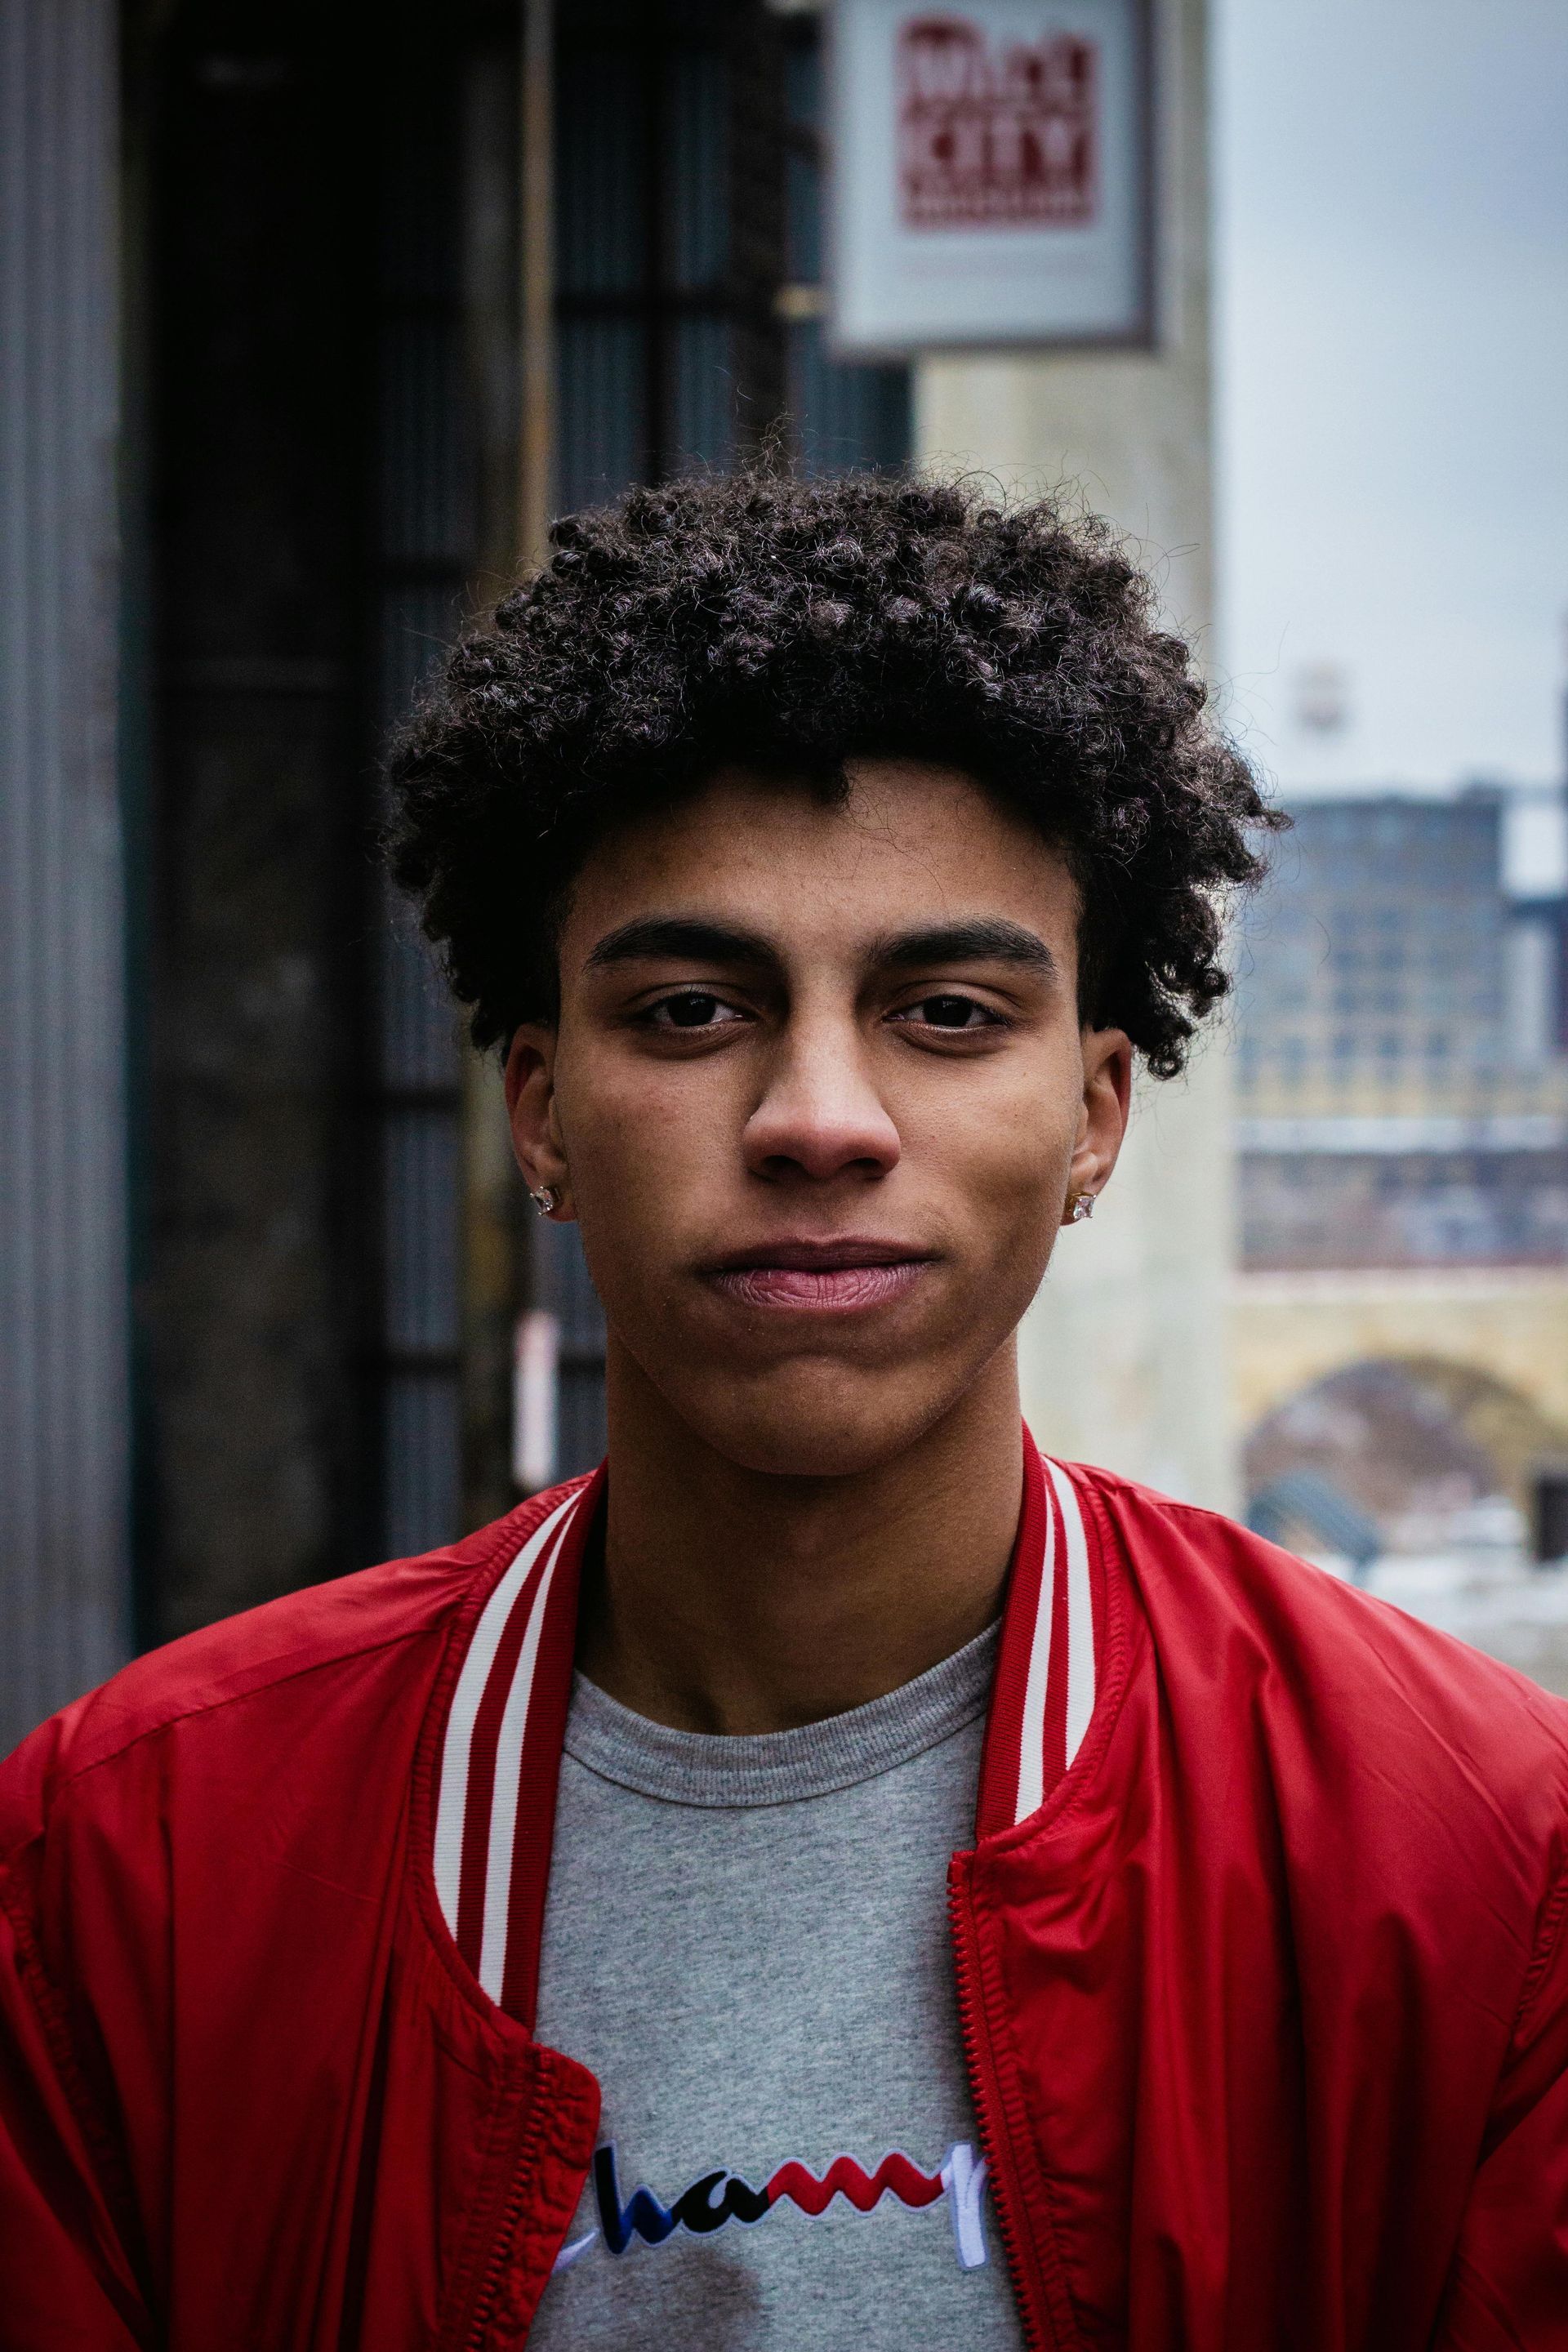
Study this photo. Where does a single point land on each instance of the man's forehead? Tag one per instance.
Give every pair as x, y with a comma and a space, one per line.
909, 846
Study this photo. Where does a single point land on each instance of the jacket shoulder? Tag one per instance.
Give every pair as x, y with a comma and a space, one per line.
1289, 1643
333, 1630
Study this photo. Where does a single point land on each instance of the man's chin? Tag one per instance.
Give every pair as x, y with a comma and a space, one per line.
819, 1430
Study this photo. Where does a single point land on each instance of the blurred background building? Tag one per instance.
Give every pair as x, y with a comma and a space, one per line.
1401, 1320
1402, 1079
313, 315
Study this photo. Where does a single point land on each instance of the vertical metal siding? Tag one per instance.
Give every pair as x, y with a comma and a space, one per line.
428, 535
64, 1552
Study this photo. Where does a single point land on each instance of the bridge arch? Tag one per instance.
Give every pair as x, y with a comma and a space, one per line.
1482, 1354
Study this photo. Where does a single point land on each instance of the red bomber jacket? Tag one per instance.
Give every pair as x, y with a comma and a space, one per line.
1260, 1954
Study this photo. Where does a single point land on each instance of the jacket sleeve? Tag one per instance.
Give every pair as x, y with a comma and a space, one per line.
1509, 2287
66, 2278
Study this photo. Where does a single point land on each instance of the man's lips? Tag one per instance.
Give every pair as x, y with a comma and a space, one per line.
842, 1276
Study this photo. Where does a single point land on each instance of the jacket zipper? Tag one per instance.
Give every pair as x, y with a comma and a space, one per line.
978, 2063
512, 2213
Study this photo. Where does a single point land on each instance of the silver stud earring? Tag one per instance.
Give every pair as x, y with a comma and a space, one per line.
545, 1199
1082, 1208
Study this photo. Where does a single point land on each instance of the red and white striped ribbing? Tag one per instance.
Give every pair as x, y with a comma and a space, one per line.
487, 1742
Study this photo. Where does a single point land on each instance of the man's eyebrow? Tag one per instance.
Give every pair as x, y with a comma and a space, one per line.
984, 940
689, 938
684, 937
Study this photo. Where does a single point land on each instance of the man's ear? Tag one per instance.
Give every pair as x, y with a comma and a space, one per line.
1103, 1120
531, 1108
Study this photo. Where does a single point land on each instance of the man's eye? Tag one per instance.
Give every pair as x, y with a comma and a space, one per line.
692, 1009
949, 1013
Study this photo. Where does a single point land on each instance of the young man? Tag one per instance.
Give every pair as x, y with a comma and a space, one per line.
958, 1898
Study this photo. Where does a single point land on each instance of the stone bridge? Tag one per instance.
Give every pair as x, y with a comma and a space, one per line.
1492, 1340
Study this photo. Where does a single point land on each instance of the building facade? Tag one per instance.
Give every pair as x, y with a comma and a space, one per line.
1401, 1083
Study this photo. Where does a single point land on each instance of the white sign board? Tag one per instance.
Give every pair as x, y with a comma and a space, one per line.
988, 174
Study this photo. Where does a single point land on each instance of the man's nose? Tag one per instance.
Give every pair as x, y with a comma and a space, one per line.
820, 1114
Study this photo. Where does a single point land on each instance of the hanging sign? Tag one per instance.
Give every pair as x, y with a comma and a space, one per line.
988, 174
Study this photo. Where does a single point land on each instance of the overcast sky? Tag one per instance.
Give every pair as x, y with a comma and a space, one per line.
1392, 339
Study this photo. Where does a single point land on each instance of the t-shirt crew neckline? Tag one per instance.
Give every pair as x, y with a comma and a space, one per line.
781, 1768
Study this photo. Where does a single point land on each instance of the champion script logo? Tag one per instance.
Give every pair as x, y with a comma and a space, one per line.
718, 2197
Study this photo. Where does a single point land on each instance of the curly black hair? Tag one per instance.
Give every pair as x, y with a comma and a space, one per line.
787, 626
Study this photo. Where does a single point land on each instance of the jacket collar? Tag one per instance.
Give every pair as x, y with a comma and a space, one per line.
1048, 1665
509, 1684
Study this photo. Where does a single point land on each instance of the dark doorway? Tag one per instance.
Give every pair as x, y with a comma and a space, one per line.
253, 1298
325, 295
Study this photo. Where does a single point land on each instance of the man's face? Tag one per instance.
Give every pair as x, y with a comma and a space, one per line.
816, 1096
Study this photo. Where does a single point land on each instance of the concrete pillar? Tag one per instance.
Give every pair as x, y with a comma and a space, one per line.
1124, 1357
64, 1567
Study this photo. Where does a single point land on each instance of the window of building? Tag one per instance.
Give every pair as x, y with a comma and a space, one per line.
839, 415
688, 252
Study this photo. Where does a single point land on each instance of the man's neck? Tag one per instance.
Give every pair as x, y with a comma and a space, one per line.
736, 1601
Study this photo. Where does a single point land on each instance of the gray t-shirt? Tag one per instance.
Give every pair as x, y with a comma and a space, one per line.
746, 1940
